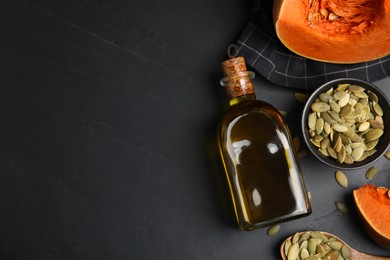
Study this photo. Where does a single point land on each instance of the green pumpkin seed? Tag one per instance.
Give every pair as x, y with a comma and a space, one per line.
340, 127
315, 143
332, 152
312, 245
364, 126
360, 94
345, 252
325, 143
342, 180
358, 107
387, 155
273, 230
334, 107
319, 125
371, 173
376, 124
312, 121
342, 87
304, 253
346, 110
293, 252
320, 107
339, 95
336, 245
324, 97
287, 246
378, 109
372, 96
363, 101
364, 156
326, 116
337, 143
342, 207
356, 88
357, 153
379, 119
342, 154
371, 145
344, 101
373, 134
301, 97
348, 159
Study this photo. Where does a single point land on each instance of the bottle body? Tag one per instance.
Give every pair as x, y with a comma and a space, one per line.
261, 167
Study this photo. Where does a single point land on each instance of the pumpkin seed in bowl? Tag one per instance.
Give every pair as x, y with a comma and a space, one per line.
344, 123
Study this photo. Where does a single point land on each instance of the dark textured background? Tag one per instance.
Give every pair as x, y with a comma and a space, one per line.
108, 111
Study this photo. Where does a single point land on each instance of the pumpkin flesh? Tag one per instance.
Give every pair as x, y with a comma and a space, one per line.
373, 207
337, 31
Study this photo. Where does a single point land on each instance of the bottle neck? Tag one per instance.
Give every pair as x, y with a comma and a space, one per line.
236, 100
239, 87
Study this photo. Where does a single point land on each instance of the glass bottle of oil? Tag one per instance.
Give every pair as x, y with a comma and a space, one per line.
260, 163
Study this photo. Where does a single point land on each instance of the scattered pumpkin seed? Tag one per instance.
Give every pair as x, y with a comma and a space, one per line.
301, 97
387, 155
341, 179
273, 230
342, 207
371, 173
283, 113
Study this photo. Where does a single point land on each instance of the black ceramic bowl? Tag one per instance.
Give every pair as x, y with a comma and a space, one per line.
384, 140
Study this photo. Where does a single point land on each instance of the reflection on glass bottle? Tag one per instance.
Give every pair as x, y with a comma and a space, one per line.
255, 145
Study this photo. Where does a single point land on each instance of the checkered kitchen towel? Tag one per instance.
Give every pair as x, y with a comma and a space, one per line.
263, 51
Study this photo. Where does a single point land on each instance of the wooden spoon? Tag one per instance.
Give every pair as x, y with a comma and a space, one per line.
354, 254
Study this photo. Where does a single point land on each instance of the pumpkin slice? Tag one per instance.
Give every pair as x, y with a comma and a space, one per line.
373, 207
335, 31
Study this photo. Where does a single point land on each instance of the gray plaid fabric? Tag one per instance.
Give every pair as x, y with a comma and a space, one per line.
263, 51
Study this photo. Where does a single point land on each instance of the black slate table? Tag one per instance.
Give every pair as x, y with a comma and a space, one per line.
108, 113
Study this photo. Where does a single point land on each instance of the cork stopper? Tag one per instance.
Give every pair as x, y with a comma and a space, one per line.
233, 66
237, 79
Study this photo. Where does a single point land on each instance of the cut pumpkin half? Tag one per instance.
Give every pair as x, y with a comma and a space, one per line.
373, 207
335, 31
